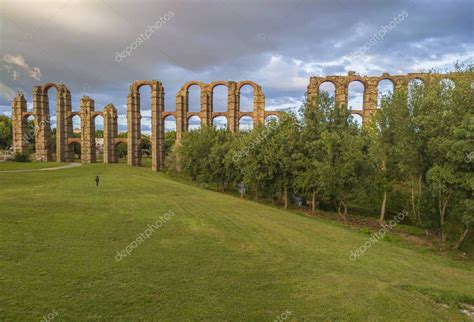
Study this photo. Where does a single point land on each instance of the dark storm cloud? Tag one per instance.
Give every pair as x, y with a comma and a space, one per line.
279, 43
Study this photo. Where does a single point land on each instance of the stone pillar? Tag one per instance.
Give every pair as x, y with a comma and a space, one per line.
312, 94
110, 133
370, 99
88, 153
181, 114
63, 106
232, 107
133, 122
157, 126
258, 107
42, 125
341, 98
19, 124
206, 107
161, 129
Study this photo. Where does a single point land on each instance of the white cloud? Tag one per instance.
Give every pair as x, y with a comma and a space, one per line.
7, 92
17, 65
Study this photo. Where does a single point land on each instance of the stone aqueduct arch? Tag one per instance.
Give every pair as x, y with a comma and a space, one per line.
369, 108
64, 126
87, 114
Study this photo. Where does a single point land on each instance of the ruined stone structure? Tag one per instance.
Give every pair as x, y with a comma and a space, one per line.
182, 114
87, 114
341, 84
64, 128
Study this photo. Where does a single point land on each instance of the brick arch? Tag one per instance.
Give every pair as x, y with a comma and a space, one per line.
74, 140
95, 114
214, 84
220, 116
254, 85
326, 80
187, 85
136, 85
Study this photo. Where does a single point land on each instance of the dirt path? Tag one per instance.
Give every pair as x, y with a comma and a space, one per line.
67, 166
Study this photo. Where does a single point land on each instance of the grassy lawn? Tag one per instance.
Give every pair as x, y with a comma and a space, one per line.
8, 165
217, 258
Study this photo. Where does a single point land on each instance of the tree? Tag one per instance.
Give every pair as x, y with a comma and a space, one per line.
342, 158
5, 132
309, 176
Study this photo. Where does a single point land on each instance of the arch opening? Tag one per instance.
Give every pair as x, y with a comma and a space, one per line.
245, 124
194, 123
329, 89
356, 91
246, 98
99, 137
385, 90
357, 119
121, 148
75, 149
271, 118
220, 122
220, 98
194, 98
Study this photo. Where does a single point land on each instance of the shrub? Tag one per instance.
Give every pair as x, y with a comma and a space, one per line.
21, 157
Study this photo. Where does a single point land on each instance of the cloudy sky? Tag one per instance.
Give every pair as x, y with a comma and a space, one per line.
277, 43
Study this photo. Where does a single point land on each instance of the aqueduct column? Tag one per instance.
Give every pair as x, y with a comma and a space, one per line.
258, 107
206, 108
62, 123
19, 124
133, 122
312, 93
232, 107
110, 133
42, 125
341, 99
181, 115
370, 99
88, 154
157, 126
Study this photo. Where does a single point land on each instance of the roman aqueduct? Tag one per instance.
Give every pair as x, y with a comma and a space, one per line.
87, 113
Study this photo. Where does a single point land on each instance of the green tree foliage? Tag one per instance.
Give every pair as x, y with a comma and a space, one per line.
5, 132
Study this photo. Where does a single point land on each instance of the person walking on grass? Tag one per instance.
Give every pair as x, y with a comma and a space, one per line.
96, 181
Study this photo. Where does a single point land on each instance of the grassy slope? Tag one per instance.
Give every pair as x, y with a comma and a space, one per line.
28, 165
218, 258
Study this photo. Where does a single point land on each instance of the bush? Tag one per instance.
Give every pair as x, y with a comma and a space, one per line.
21, 157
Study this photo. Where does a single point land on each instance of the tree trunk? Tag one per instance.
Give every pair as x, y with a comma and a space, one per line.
442, 214
382, 208
256, 195
461, 239
343, 214
313, 202
285, 192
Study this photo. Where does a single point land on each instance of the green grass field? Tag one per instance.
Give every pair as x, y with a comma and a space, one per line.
218, 258
7, 166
